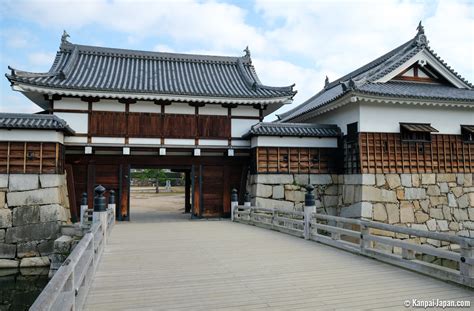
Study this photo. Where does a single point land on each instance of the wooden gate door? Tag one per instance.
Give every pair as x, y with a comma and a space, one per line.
212, 191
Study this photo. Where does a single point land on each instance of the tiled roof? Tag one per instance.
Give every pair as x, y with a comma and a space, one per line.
293, 129
364, 79
90, 68
34, 121
419, 127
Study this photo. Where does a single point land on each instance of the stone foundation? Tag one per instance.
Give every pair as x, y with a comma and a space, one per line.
32, 209
434, 202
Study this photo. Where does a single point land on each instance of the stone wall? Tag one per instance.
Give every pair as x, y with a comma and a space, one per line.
287, 191
32, 209
434, 202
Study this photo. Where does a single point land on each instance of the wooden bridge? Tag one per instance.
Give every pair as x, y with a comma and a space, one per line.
173, 263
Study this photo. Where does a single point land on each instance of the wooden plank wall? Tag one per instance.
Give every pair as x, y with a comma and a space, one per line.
114, 124
31, 158
277, 160
386, 153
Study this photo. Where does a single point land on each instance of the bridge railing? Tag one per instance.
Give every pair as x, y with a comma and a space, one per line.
68, 288
361, 236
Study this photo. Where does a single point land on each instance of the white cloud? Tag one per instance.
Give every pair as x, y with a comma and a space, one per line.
15, 102
163, 48
41, 60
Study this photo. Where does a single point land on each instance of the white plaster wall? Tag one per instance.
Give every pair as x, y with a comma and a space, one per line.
31, 135
341, 116
75, 140
108, 105
144, 141
213, 142
240, 143
240, 127
179, 108
108, 140
178, 141
376, 117
245, 111
145, 106
307, 142
77, 121
215, 110
71, 103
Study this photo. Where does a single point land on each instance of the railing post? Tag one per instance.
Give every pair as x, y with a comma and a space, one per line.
309, 209
84, 207
111, 205
364, 243
100, 210
467, 252
234, 202
247, 199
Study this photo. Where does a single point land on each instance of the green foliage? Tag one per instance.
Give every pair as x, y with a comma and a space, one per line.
148, 174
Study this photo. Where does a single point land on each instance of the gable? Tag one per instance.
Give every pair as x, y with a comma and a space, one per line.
425, 67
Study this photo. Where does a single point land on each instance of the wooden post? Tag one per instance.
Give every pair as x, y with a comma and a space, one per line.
309, 209
234, 203
187, 192
364, 243
111, 205
467, 252
100, 211
247, 199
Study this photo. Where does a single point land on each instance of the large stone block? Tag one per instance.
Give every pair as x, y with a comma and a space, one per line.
4, 181
406, 180
373, 194
301, 179
393, 213
46, 247
294, 195
393, 180
2, 199
41, 231
7, 251
444, 188
446, 178
261, 190
359, 179
415, 193
380, 214
34, 197
467, 182
278, 192
25, 215
438, 200
433, 190
469, 210
320, 179
357, 210
22, 182
406, 213
463, 201
2, 235
330, 200
34, 262
52, 212
348, 194
431, 224
452, 200
436, 213
421, 217
274, 179
428, 179
379, 180
28, 249
8, 264
415, 180
62, 245
269, 203
332, 190
5, 218
460, 214
52, 180
442, 225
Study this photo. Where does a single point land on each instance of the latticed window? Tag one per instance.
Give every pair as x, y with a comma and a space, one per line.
418, 132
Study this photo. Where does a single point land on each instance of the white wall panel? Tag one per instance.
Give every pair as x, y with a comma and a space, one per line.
77, 121
341, 117
75, 140
386, 118
179, 108
108, 140
177, 141
245, 111
71, 103
145, 106
31, 135
144, 141
241, 126
108, 105
307, 142
214, 110
213, 142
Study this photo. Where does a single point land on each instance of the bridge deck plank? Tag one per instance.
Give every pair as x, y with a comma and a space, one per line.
202, 265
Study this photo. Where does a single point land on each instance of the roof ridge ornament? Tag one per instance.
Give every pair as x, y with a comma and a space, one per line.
247, 51
64, 37
326, 82
420, 38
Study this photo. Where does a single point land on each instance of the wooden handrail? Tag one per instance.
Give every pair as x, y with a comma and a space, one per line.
68, 288
334, 225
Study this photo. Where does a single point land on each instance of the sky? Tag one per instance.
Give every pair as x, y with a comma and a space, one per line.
298, 41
